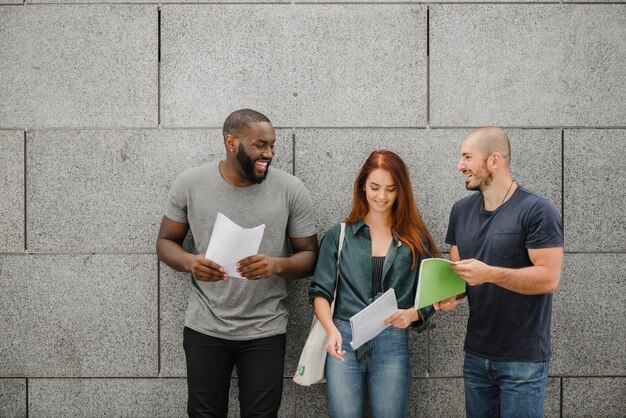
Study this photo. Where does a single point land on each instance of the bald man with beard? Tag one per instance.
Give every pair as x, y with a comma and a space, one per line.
507, 243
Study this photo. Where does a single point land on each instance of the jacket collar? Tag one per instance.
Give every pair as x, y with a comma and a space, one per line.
356, 227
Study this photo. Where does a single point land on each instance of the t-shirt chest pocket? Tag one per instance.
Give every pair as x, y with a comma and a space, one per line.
508, 243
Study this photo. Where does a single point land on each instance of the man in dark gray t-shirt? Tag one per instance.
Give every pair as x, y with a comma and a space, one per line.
233, 321
508, 245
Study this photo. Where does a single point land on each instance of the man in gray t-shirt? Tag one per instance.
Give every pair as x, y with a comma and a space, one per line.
238, 321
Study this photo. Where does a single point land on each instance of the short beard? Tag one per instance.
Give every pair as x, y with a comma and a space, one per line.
482, 184
247, 165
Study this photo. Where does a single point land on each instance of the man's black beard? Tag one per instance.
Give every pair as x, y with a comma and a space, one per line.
248, 166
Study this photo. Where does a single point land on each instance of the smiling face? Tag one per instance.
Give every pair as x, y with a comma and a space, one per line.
255, 151
380, 191
473, 165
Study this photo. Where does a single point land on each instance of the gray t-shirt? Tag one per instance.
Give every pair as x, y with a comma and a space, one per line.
240, 309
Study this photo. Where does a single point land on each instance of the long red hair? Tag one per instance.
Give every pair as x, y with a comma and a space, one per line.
407, 224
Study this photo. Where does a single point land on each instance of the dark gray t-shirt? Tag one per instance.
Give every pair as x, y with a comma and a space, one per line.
240, 309
504, 325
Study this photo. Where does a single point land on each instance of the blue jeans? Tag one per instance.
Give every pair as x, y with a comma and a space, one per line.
504, 388
385, 372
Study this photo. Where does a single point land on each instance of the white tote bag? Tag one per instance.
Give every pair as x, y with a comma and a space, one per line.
313, 358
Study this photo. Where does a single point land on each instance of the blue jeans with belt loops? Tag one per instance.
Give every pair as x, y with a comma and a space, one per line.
384, 372
504, 389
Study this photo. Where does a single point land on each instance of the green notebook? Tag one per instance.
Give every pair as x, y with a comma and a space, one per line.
437, 282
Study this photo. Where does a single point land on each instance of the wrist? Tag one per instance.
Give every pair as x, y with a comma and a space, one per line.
494, 274
415, 316
277, 266
189, 262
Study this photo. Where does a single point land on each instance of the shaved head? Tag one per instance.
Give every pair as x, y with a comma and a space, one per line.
491, 139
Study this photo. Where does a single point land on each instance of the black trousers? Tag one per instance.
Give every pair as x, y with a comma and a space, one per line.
210, 361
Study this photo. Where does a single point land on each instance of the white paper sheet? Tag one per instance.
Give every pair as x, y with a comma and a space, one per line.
368, 323
231, 243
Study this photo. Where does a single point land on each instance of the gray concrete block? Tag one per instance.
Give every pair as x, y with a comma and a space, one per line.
12, 191
70, 315
311, 401
88, 65
11, 1
436, 397
589, 320
13, 398
488, 1
594, 397
141, 1
107, 397
418, 350
594, 190
514, 65
328, 160
446, 345
175, 288
552, 400
116, 184
337, 65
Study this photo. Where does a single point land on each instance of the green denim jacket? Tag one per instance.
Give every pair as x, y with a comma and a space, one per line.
355, 273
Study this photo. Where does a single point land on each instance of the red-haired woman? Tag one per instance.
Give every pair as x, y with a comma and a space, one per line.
385, 239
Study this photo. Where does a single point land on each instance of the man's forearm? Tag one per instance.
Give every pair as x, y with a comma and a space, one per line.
533, 280
173, 254
297, 266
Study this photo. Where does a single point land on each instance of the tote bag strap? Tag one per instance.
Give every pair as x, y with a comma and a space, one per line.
342, 235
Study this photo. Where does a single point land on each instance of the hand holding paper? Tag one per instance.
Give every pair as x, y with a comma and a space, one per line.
231, 243
437, 282
370, 322
206, 270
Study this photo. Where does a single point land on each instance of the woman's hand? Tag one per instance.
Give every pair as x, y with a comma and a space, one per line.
333, 344
403, 318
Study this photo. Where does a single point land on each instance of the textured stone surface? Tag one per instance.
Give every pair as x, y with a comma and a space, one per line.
68, 315
514, 65
594, 190
143, 1
487, 1
589, 320
436, 398
446, 345
88, 65
115, 182
12, 191
552, 400
311, 401
337, 65
13, 398
175, 288
107, 398
418, 349
431, 156
597, 397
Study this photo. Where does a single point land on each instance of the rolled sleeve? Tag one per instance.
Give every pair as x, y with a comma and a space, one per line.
325, 276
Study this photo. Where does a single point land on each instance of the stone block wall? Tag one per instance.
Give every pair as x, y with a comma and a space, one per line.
102, 104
